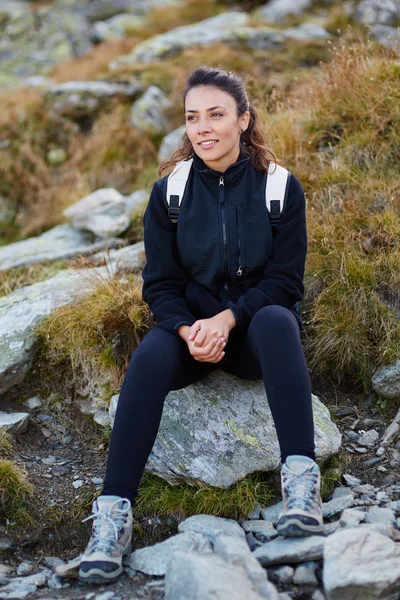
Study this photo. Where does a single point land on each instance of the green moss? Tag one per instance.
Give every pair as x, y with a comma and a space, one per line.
245, 437
156, 495
14, 489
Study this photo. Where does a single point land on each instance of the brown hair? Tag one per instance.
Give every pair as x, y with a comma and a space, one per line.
253, 139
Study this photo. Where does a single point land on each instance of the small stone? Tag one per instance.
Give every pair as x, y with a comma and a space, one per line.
351, 517
69, 569
377, 514
34, 402
5, 570
255, 511
25, 568
264, 528
341, 492
361, 450
332, 508
364, 489
372, 461
352, 435
318, 595
106, 596
271, 513
305, 575
52, 562
77, 483
381, 468
283, 575
97, 480
49, 460
351, 480
380, 451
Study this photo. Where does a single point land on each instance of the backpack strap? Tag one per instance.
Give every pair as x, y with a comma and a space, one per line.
276, 190
176, 184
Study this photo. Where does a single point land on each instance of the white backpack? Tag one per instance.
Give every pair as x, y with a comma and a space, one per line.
275, 189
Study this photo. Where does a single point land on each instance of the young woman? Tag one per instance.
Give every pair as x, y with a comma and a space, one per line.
222, 286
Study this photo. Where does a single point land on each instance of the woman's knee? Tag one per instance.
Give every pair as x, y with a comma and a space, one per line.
275, 319
158, 350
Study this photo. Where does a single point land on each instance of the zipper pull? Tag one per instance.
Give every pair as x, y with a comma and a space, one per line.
221, 180
239, 271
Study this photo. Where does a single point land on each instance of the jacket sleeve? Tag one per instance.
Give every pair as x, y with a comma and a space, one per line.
164, 278
282, 281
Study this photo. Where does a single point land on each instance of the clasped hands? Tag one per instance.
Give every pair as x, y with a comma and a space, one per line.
207, 338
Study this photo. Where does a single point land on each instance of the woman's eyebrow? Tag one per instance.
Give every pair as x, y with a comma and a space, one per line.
208, 109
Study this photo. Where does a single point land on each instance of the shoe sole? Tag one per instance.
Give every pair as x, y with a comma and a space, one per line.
295, 528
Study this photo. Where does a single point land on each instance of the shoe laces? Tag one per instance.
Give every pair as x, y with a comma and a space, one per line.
300, 488
107, 525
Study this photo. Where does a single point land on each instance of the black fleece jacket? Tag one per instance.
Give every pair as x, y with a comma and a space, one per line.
222, 253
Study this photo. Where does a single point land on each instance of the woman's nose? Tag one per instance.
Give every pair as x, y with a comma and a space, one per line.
204, 126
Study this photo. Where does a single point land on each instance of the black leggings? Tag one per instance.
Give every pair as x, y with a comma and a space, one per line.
270, 349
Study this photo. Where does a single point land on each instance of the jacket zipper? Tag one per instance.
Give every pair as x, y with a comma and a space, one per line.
239, 272
223, 221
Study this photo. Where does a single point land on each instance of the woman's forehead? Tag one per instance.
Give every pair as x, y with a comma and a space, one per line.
205, 97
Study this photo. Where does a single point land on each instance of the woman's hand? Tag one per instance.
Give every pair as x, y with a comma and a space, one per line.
202, 332
212, 352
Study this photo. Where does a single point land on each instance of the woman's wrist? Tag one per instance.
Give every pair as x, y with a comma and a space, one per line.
183, 332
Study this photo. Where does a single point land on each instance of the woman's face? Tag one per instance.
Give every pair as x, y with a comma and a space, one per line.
213, 126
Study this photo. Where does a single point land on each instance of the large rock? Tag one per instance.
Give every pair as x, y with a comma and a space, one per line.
220, 429
124, 259
386, 380
21, 310
153, 560
14, 423
386, 35
75, 99
169, 144
201, 577
99, 10
59, 243
371, 12
117, 27
33, 42
103, 213
149, 111
204, 33
290, 550
276, 11
361, 563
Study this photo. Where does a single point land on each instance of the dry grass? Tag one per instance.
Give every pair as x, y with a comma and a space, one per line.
93, 65
14, 490
18, 277
99, 331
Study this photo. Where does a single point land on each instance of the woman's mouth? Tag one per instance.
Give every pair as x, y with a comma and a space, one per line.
208, 144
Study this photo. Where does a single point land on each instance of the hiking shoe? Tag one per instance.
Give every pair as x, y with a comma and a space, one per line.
110, 540
302, 506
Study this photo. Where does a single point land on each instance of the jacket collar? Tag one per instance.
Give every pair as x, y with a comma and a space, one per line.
231, 175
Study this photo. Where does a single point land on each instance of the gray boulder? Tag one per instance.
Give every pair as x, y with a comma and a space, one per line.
386, 380
124, 259
290, 550
371, 12
386, 35
33, 42
220, 429
201, 577
153, 560
149, 111
276, 11
14, 423
305, 31
21, 310
85, 98
170, 144
117, 27
103, 213
99, 10
209, 31
361, 563
59, 243
136, 203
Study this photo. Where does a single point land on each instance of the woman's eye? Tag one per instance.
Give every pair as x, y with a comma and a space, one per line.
218, 114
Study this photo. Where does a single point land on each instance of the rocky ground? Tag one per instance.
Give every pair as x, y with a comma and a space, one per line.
65, 453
